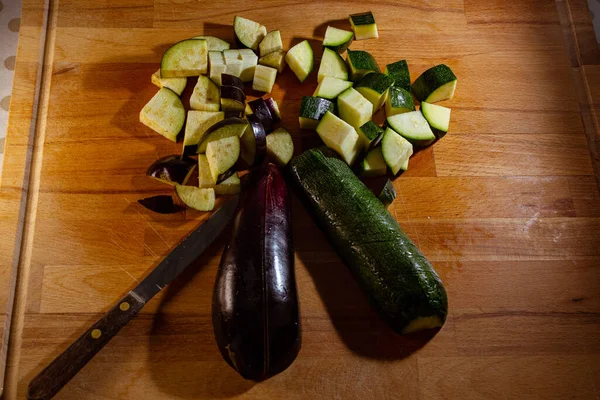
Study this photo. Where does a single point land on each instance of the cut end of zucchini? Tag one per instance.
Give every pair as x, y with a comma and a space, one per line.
364, 26
373, 164
164, 114
280, 146
301, 60
186, 58
330, 87
413, 127
423, 323
374, 87
444, 92
248, 33
177, 85
264, 78
360, 63
337, 40
201, 199
437, 116
332, 64
312, 109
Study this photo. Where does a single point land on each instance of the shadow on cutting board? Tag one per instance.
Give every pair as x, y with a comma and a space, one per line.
357, 324
184, 358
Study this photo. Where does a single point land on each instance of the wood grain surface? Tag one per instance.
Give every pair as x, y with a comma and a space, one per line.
506, 207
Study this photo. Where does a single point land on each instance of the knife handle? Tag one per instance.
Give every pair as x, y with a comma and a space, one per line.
64, 367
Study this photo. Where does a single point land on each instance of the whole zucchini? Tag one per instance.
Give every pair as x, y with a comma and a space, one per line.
401, 284
255, 305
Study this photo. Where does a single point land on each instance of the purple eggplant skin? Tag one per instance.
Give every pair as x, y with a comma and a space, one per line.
261, 111
172, 169
260, 142
274, 109
231, 80
255, 303
161, 204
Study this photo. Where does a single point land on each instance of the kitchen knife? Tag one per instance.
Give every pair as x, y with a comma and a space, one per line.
66, 365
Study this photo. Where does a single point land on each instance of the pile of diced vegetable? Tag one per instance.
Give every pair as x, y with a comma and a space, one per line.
229, 135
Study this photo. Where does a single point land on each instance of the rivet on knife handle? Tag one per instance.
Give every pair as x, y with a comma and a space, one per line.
65, 366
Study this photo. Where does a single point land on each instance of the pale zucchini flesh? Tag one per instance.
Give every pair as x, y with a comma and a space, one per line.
164, 114
205, 96
280, 146
301, 60
275, 60
337, 40
222, 154
395, 150
373, 164
413, 127
186, 58
264, 78
354, 108
364, 26
177, 85
437, 116
332, 64
330, 87
339, 136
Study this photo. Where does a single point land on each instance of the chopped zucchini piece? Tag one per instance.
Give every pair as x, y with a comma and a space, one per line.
354, 108
330, 87
413, 127
339, 136
395, 149
373, 164
177, 85
360, 63
332, 64
214, 43
270, 43
205, 96
301, 60
436, 84
312, 109
337, 40
399, 101
248, 33
275, 60
217, 65
364, 26
399, 72
231, 185
201, 199
437, 116
197, 124
264, 78
205, 178
280, 146
370, 134
164, 114
186, 58
374, 87
222, 154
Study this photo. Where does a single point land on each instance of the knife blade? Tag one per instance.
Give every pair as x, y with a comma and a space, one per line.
66, 365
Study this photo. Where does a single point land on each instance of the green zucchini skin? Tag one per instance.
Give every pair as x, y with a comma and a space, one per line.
399, 281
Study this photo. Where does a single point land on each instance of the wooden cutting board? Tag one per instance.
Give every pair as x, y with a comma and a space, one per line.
506, 207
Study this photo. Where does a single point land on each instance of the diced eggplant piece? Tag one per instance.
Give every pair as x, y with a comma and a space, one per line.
253, 142
226, 128
262, 112
217, 66
177, 85
274, 108
264, 78
205, 178
249, 63
230, 80
222, 154
196, 126
248, 33
230, 185
280, 146
255, 303
201, 199
172, 169
275, 60
232, 114
161, 204
232, 99
214, 43
164, 114
270, 43
186, 58
205, 96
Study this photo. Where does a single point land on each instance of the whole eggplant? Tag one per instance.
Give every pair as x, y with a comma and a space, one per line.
255, 303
